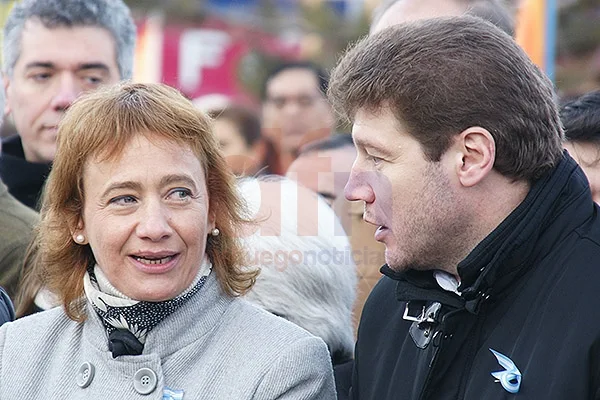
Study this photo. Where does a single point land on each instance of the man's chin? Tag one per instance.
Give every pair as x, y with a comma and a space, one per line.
391, 262
394, 262
292, 142
44, 157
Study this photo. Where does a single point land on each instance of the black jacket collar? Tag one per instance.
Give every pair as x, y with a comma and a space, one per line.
24, 179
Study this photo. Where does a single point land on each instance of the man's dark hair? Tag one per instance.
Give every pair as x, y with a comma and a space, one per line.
441, 76
581, 118
246, 121
320, 74
335, 141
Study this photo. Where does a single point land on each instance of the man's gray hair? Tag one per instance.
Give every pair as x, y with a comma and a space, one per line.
112, 15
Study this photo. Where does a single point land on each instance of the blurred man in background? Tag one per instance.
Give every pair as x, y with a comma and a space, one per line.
16, 223
240, 138
294, 110
581, 120
392, 12
53, 50
324, 167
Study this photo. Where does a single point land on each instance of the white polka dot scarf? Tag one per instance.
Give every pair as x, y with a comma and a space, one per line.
129, 321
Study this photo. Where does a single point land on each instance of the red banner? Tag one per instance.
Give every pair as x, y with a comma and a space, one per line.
209, 58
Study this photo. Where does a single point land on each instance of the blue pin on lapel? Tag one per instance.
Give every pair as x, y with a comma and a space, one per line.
510, 378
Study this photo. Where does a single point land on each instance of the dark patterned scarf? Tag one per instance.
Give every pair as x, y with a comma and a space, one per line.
127, 321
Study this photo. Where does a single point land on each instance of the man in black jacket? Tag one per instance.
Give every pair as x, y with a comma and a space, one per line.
17, 222
492, 238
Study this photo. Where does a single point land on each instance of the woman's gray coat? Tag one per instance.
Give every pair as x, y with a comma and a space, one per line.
213, 347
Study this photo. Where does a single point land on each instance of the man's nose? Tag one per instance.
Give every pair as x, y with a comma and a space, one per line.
291, 108
67, 91
358, 187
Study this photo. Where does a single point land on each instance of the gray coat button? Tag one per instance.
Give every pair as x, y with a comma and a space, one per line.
85, 375
144, 381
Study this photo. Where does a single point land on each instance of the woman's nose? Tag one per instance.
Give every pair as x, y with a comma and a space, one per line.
154, 223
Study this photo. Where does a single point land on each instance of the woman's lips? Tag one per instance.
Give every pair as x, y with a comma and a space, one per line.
154, 261
155, 265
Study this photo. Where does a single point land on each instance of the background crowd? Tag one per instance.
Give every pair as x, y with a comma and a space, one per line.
162, 238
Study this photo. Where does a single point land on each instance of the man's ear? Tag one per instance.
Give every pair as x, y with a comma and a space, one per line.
475, 156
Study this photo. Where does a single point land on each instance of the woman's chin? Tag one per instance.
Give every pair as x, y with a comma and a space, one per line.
152, 293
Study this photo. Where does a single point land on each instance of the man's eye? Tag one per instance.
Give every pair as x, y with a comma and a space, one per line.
41, 77
328, 197
375, 160
306, 101
93, 80
278, 102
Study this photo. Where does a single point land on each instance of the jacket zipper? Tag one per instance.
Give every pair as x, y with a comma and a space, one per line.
435, 358
432, 364
472, 343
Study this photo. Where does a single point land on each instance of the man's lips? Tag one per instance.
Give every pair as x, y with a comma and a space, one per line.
380, 233
50, 131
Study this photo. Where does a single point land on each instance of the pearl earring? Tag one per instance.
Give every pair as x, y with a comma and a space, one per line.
80, 238
215, 232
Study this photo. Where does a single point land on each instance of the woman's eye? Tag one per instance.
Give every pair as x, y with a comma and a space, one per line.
123, 200
180, 194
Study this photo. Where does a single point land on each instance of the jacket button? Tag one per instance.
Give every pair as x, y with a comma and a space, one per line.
144, 381
85, 375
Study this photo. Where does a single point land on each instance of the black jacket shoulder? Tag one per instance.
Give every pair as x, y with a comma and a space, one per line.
7, 311
528, 306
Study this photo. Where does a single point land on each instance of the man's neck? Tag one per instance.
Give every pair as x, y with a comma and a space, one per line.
286, 158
